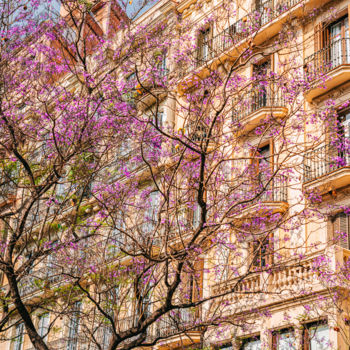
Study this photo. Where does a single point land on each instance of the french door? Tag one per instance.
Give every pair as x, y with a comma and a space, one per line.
339, 43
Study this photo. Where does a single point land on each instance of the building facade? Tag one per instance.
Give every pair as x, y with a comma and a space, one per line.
257, 93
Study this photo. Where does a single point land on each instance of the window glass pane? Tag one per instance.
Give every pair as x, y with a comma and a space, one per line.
319, 338
196, 215
19, 337
286, 341
73, 328
44, 325
252, 345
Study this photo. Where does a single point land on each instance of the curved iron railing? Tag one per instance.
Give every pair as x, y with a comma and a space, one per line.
333, 55
238, 31
323, 160
264, 97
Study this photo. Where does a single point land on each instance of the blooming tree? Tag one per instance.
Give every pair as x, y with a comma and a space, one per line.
150, 185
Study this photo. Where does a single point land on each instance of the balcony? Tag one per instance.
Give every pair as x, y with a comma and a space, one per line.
328, 68
178, 329
327, 168
268, 196
152, 88
259, 25
38, 281
283, 281
258, 105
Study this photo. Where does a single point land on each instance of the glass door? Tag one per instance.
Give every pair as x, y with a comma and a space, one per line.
339, 43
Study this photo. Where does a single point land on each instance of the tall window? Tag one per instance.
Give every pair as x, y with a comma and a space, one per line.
130, 94
338, 33
344, 136
146, 299
151, 211
73, 327
332, 44
43, 325
223, 261
264, 159
204, 45
161, 118
19, 334
316, 336
264, 163
261, 252
284, 340
340, 229
162, 65
196, 215
260, 93
114, 243
106, 337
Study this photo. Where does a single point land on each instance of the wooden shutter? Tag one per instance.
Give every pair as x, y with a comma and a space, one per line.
318, 37
274, 342
330, 229
254, 255
270, 250
331, 129
341, 227
198, 279
318, 45
306, 339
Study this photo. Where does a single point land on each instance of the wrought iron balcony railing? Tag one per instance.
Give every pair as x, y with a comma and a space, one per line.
266, 188
264, 97
330, 57
38, 280
178, 322
238, 31
324, 160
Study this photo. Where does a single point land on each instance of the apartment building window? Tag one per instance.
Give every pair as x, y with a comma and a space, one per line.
151, 211
106, 337
204, 45
253, 343
73, 327
264, 160
43, 325
162, 64
264, 8
51, 258
316, 336
192, 282
261, 90
340, 229
284, 340
146, 300
19, 335
114, 242
264, 166
196, 216
332, 44
261, 252
130, 94
223, 253
339, 42
338, 148
161, 118
343, 126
